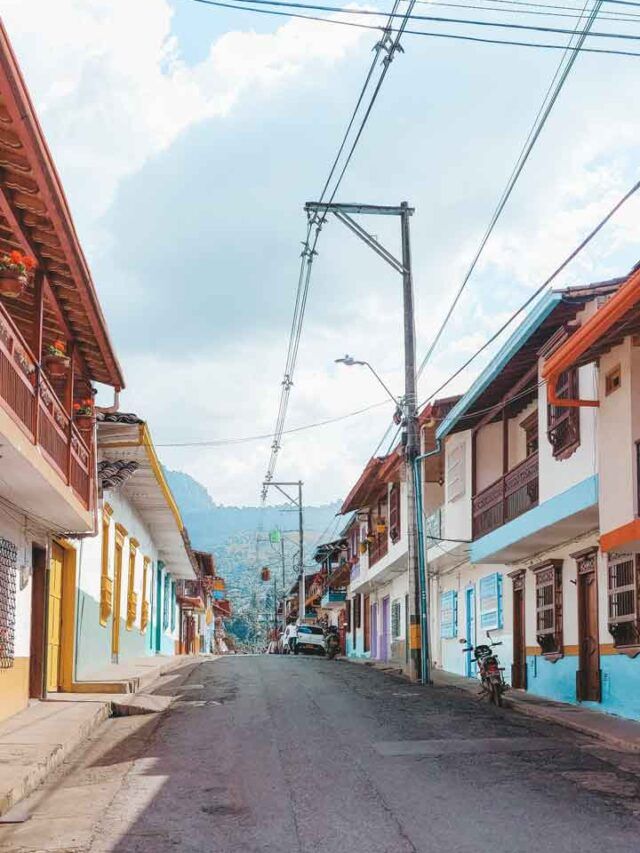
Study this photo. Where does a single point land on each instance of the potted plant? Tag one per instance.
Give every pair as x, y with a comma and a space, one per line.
14, 272
381, 525
56, 359
83, 414
364, 545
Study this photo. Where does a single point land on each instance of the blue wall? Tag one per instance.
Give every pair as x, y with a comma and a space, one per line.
620, 683
357, 650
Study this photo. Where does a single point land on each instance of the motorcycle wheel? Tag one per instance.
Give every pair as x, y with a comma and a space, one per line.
496, 694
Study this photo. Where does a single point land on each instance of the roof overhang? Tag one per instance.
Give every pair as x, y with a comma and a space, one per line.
147, 490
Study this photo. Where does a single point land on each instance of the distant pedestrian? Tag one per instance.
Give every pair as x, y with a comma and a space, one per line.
290, 637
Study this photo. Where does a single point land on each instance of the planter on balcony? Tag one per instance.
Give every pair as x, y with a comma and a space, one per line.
57, 365
84, 422
12, 283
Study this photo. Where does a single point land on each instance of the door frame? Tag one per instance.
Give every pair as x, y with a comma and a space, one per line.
470, 629
385, 634
66, 663
374, 630
121, 534
366, 634
38, 630
587, 590
519, 596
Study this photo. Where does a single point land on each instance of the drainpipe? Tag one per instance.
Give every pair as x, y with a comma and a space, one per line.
562, 402
425, 657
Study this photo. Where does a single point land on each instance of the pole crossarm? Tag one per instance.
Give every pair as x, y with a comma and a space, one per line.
343, 207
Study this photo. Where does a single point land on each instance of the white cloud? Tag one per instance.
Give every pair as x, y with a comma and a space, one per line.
112, 89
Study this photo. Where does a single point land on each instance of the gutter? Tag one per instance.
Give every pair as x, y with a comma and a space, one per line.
627, 297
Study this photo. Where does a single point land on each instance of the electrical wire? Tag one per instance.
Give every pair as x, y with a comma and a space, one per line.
291, 4
557, 83
537, 9
537, 291
405, 31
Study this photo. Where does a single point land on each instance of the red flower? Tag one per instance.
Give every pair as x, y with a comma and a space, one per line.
15, 256
76, 407
29, 263
60, 345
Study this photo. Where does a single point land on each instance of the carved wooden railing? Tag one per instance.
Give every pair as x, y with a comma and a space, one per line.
378, 547
29, 398
507, 498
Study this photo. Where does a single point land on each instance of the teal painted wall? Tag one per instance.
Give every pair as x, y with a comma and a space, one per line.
357, 650
620, 683
93, 641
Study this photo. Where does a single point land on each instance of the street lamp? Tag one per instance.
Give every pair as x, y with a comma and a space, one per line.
349, 361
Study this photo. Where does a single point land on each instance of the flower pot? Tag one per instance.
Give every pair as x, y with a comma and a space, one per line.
84, 422
12, 283
57, 365
363, 547
381, 528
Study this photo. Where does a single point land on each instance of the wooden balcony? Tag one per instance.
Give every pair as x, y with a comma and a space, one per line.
507, 498
29, 398
378, 547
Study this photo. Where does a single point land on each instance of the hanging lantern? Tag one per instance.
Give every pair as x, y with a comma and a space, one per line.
265, 574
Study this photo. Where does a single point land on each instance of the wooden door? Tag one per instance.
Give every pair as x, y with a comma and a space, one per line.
367, 625
117, 596
588, 675
374, 630
519, 666
54, 617
384, 639
471, 670
38, 644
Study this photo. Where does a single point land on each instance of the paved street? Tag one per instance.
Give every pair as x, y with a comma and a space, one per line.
284, 754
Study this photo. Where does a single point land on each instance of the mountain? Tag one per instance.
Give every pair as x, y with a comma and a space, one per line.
237, 536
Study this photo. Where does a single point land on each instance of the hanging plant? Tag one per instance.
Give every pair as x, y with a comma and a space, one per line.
381, 525
83, 414
14, 273
56, 359
364, 546
265, 574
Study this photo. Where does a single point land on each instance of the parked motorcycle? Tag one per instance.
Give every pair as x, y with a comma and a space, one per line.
332, 642
489, 669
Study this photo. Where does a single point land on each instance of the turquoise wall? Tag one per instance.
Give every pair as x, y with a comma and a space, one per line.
620, 683
356, 650
93, 641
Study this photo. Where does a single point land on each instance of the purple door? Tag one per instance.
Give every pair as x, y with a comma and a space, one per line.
374, 630
384, 640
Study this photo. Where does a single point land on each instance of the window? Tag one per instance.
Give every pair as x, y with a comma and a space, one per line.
490, 589
106, 584
549, 608
132, 596
563, 428
613, 380
530, 427
449, 614
357, 616
173, 605
396, 618
165, 602
394, 512
623, 622
455, 480
144, 612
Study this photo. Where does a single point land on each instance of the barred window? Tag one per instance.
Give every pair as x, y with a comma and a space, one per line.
394, 512
563, 428
549, 607
623, 600
396, 618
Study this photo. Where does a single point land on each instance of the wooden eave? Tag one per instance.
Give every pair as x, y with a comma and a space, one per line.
35, 218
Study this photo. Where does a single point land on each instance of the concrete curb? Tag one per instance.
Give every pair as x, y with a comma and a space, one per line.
31, 776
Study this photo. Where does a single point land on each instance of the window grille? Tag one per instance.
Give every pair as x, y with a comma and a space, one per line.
396, 618
8, 569
449, 615
549, 607
563, 429
623, 600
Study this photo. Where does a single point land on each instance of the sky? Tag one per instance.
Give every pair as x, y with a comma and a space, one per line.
188, 139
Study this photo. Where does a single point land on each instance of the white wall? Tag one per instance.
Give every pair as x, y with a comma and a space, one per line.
457, 519
488, 455
518, 437
557, 475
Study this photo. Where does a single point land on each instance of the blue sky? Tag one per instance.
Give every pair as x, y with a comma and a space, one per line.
188, 139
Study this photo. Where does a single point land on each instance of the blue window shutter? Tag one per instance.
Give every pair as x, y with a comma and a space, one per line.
449, 614
490, 588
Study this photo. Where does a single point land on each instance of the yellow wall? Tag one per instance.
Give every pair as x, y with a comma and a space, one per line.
14, 688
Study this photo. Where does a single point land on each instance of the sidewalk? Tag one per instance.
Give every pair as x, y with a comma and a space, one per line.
615, 731
37, 740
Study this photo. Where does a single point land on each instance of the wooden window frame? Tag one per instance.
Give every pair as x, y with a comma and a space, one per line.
613, 380
358, 611
531, 432
366, 645
106, 582
132, 595
144, 610
563, 422
548, 575
395, 526
625, 627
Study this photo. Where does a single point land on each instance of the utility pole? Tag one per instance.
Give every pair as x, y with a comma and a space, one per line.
298, 504
344, 213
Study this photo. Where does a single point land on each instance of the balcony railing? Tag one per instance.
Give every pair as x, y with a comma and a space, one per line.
29, 398
378, 547
507, 498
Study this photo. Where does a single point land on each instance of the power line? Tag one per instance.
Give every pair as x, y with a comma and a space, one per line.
555, 87
406, 31
538, 290
536, 9
291, 4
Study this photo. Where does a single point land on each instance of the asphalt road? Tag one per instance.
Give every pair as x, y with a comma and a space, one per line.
283, 754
